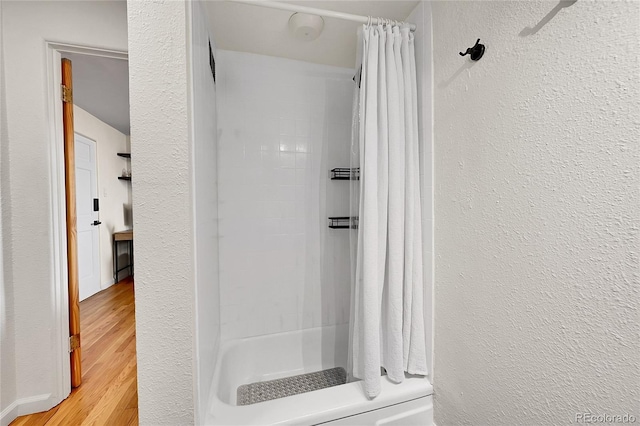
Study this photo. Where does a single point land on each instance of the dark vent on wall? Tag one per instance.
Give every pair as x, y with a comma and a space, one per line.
212, 62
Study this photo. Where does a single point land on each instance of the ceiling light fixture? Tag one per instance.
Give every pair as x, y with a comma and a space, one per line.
306, 27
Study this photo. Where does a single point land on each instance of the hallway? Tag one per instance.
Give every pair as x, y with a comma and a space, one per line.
108, 394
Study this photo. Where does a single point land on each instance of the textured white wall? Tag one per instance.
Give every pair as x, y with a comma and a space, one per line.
163, 212
27, 233
537, 205
205, 133
283, 125
114, 194
8, 390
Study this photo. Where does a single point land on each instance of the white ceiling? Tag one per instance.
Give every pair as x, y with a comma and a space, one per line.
255, 29
101, 87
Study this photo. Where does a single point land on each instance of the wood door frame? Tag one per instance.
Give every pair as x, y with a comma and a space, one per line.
58, 226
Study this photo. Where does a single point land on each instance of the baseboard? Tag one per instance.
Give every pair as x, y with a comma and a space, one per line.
9, 414
20, 407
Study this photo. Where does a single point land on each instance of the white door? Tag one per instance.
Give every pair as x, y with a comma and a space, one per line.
87, 218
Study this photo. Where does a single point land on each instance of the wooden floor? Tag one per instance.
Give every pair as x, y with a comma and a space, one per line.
109, 391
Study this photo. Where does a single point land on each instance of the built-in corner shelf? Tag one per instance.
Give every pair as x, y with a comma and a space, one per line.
345, 173
124, 177
343, 222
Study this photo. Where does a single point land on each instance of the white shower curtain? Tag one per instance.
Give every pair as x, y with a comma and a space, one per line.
387, 320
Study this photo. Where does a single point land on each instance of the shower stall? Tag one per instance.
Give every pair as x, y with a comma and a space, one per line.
285, 234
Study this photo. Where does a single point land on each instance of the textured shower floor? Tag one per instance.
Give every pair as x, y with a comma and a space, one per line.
281, 388
273, 357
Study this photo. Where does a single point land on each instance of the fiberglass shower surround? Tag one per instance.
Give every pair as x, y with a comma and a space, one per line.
367, 276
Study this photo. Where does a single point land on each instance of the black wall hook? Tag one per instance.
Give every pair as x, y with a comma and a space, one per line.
475, 52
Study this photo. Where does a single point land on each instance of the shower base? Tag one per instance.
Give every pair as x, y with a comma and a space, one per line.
299, 353
282, 388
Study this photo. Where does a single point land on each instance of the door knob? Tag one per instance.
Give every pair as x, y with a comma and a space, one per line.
96, 223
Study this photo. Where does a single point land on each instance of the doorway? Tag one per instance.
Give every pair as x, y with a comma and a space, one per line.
100, 119
96, 131
107, 393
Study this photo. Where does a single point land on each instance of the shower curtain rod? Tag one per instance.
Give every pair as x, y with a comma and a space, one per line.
314, 11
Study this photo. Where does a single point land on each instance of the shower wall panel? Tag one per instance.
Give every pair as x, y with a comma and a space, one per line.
283, 125
205, 132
